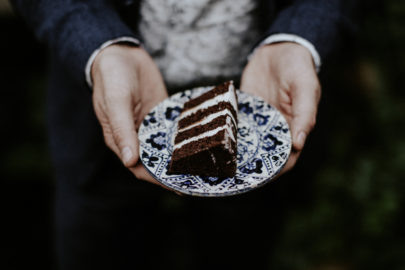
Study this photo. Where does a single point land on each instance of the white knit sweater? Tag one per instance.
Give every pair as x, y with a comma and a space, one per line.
198, 41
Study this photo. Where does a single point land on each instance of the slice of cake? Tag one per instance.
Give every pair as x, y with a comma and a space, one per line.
205, 143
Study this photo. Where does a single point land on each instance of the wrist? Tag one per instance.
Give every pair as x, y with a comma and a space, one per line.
285, 37
114, 57
288, 52
90, 61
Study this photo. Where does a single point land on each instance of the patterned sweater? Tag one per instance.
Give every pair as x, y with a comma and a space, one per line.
199, 42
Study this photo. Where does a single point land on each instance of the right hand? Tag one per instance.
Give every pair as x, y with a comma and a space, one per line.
126, 86
284, 75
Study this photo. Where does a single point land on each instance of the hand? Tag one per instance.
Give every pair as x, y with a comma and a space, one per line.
284, 75
127, 85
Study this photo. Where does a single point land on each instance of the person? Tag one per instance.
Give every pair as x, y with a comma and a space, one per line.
131, 55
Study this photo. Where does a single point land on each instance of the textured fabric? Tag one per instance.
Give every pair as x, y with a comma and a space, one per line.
73, 29
318, 21
199, 40
276, 38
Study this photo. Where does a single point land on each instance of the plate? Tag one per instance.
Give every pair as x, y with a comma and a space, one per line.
264, 145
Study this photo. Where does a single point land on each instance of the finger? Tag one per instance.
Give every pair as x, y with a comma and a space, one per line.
256, 80
149, 101
263, 90
253, 79
305, 101
120, 115
251, 82
152, 95
291, 162
141, 173
99, 107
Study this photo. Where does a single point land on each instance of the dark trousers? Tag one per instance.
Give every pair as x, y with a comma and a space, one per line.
107, 219
143, 227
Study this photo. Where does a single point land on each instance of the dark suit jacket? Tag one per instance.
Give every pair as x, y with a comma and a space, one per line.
100, 208
74, 29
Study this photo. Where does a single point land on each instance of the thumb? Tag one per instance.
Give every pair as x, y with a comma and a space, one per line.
122, 125
304, 108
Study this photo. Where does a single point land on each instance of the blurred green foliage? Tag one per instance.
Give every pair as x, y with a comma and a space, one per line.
354, 219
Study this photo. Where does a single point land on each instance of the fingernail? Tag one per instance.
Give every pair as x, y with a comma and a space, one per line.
126, 154
301, 138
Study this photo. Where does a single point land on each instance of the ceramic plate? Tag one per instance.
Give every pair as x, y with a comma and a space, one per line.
264, 144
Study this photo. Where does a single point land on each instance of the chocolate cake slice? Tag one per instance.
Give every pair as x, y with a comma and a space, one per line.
205, 143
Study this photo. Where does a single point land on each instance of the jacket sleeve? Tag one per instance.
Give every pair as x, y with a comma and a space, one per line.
73, 29
318, 21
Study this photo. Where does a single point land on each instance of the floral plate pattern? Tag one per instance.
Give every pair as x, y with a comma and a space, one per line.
264, 145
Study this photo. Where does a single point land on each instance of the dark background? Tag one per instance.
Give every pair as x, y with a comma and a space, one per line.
343, 203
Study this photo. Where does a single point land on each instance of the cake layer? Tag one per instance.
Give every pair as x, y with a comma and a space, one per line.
210, 118
229, 97
218, 90
211, 156
205, 135
204, 126
195, 117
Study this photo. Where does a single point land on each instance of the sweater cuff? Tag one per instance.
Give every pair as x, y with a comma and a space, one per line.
277, 38
93, 56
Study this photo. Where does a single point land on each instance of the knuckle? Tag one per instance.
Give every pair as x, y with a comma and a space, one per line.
117, 94
118, 109
98, 105
312, 123
108, 135
109, 141
106, 60
318, 92
117, 133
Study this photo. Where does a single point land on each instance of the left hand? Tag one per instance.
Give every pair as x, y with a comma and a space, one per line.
127, 85
284, 75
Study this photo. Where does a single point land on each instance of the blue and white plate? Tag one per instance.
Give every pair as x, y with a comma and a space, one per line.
264, 145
